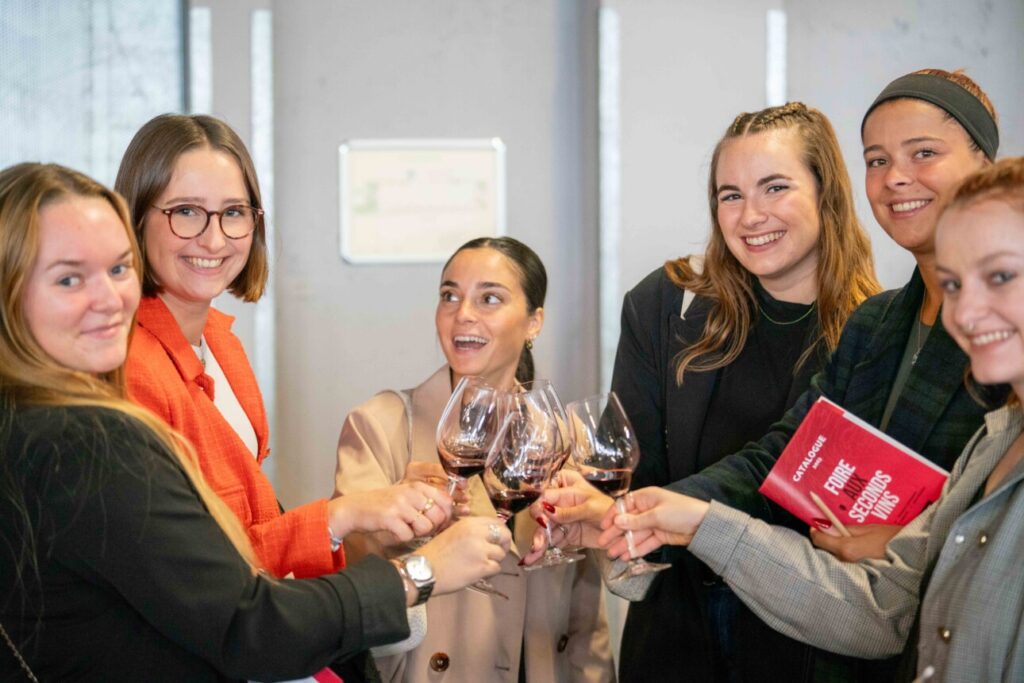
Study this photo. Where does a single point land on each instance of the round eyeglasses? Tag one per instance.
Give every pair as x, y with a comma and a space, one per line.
189, 221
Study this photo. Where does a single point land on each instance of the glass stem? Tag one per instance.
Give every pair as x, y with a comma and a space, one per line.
547, 532
620, 505
453, 483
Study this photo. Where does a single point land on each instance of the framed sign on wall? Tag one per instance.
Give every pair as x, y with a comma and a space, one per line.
416, 201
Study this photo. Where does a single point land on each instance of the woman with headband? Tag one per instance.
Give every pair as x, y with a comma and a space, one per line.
896, 367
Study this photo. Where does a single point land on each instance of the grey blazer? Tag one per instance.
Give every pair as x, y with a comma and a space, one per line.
967, 550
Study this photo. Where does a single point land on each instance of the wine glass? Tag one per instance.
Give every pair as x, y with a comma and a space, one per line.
519, 463
606, 450
467, 428
554, 555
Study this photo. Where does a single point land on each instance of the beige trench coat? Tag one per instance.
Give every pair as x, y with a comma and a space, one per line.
472, 636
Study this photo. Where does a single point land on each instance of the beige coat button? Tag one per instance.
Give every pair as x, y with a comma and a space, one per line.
563, 642
945, 634
440, 661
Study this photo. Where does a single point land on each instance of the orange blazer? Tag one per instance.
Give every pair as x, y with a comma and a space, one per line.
164, 375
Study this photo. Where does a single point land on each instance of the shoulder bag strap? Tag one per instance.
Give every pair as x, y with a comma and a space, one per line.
17, 655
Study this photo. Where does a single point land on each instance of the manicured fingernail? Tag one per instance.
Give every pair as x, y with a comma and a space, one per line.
521, 562
542, 522
822, 524
549, 507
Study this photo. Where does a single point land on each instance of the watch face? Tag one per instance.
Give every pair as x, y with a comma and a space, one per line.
419, 569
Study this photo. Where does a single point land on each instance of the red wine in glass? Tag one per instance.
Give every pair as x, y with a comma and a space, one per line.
613, 483
508, 503
462, 461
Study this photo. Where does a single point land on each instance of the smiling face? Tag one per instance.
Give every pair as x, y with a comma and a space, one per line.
916, 157
980, 258
83, 290
768, 211
483, 317
195, 271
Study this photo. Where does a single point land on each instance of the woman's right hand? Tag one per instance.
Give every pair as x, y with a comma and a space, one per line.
656, 517
433, 474
405, 510
465, 552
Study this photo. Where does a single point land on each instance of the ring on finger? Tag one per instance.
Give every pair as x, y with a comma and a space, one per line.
494, 534
426, 506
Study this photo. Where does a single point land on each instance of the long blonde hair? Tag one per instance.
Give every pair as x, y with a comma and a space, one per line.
29, 375
846, 272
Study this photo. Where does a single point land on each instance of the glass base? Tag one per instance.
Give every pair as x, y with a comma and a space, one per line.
639, 567
487, 588
554, 558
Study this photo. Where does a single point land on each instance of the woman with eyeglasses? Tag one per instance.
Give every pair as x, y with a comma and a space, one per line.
195, 202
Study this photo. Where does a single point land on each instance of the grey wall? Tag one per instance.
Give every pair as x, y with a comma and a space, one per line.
521, 71
525, 71
688, 69
842, 54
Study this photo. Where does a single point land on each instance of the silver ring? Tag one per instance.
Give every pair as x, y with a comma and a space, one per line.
494, 534
426, 506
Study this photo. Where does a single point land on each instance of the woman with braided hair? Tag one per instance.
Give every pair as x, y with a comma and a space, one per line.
786, 263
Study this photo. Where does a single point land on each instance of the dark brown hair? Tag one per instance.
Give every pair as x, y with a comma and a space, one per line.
146, 170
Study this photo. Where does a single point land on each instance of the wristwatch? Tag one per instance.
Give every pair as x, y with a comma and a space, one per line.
417, 570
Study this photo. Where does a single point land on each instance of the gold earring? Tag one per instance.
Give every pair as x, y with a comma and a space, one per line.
529, 344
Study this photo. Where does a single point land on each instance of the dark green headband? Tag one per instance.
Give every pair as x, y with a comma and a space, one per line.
952, 99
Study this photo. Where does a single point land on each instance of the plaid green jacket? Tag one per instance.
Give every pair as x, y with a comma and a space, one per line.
935, 415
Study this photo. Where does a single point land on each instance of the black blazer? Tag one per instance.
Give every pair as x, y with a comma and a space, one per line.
672, 621
111, 569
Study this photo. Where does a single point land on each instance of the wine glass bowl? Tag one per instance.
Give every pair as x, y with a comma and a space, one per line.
519, 463
554, 556
606, 450
467, 428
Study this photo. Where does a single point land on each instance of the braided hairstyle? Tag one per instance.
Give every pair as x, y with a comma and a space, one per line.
846, 273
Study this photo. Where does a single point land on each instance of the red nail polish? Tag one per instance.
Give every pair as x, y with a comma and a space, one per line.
542, 522
822, 524
549, 507
521, 562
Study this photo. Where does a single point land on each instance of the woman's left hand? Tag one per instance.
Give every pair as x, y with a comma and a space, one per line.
575, 509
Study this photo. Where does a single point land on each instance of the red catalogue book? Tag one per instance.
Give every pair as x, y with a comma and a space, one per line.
863, 475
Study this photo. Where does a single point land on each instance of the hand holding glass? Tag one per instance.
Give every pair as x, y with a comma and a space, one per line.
553, 555
606, 450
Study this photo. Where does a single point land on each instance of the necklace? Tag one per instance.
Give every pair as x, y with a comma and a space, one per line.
920, 342
786, 322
